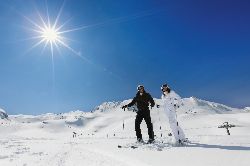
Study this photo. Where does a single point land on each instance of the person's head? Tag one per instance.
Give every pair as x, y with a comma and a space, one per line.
165, 89
140, 88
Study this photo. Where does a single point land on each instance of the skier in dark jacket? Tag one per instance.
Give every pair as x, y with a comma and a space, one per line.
142, 101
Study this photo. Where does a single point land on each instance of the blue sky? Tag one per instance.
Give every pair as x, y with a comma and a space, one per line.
200, 48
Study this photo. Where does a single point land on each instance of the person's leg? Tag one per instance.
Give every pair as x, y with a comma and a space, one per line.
174, 125
138, 121
148, 121
182, 136
172, 122
176, 128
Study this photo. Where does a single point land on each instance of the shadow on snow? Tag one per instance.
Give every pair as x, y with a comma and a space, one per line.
219, 146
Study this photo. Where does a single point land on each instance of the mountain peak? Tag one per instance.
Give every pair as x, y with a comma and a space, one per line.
107, 106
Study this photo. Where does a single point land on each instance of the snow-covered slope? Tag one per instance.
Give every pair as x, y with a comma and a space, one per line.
48, 139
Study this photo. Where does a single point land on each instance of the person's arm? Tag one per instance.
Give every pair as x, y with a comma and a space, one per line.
177, 101
163, 103
130, 104
151, 100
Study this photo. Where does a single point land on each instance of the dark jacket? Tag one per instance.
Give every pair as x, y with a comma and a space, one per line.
142, 101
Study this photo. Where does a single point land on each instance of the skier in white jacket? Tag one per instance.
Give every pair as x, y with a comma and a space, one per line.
171, 101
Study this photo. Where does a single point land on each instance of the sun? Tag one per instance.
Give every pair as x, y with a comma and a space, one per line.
50, 35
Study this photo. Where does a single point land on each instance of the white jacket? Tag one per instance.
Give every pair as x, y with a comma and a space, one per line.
171, 101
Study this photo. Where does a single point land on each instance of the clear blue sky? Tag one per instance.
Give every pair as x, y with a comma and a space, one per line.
201, 48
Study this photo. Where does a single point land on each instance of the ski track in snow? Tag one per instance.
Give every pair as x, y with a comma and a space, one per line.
74, 152
60, 153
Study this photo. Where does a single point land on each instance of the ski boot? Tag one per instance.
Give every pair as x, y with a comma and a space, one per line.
140, 141
150, 141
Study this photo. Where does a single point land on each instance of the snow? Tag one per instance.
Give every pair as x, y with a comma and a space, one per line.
48, 139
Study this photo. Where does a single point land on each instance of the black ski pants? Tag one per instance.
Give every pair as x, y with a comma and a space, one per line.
145, 114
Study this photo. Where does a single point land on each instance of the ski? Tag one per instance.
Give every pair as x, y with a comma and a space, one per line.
132, 146
159, 146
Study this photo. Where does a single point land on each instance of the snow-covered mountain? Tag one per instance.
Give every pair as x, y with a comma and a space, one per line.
247, 109
3, 114
194, 105
188, 105
91, 138
107, 106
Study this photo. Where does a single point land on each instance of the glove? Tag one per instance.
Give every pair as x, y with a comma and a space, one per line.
152, 105
125, 106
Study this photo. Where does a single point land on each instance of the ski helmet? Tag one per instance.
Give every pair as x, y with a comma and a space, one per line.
163, 86
166, 86
140, 86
